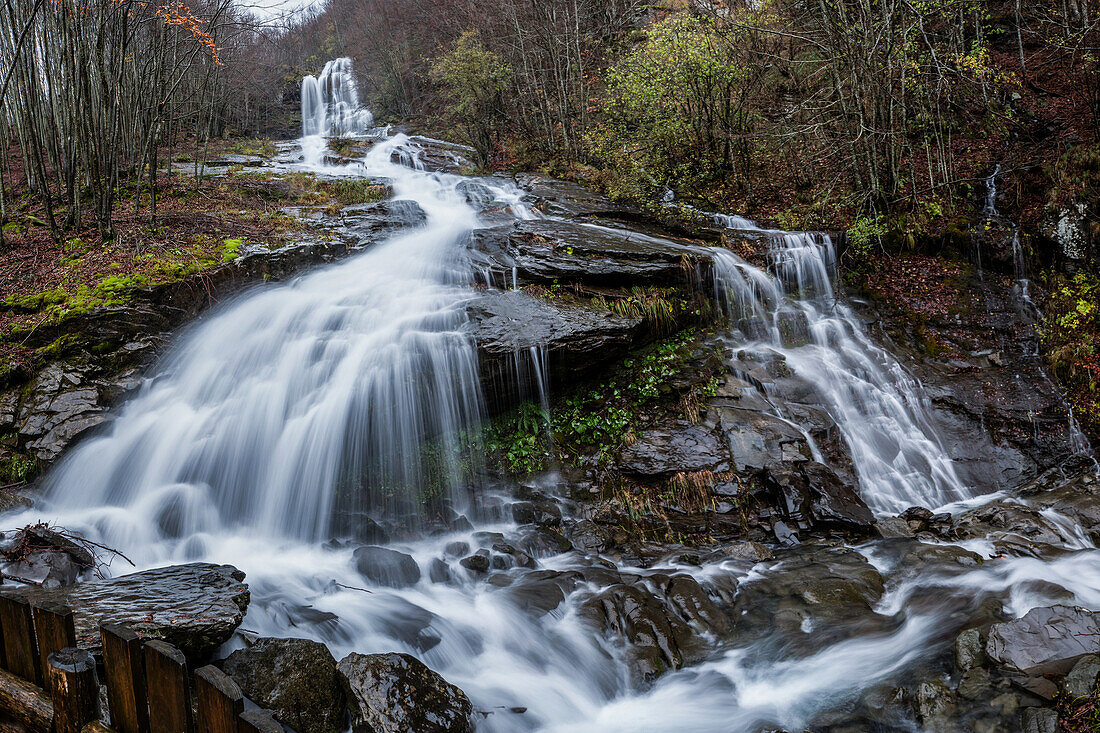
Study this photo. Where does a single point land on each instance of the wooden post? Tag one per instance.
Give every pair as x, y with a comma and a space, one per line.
259, 721
20, 650
124, 663
54, 629
166, 683
25, 703
72, 685
219, 701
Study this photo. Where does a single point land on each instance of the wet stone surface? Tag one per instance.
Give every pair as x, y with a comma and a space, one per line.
195, 607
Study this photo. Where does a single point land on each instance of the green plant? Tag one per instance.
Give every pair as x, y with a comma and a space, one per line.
473, 79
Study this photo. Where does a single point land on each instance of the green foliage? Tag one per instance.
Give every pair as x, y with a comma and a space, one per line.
1071, 333
597, 420
668, 116
17, 468
474, 79
863, 235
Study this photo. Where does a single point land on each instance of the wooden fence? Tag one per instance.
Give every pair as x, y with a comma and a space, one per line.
48, 685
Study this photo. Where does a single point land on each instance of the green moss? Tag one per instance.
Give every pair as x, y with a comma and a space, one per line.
231, 249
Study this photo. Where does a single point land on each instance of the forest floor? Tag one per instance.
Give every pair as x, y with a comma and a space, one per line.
198, 225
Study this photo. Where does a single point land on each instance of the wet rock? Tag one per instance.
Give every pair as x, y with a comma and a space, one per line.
693, 605
386, 567
372, 220
62, 405
935, 705
655, 640
893, 527
544, 513
397, 693
814, 495
974, 683
1046, 640
1039, 720
758, 440
296, 679
587, 536
577, 337
1013, 528
565, 198
679, 447
195, 607
479, 563
439, 571
751, 551
969, 650
542, 591
1081, 680
831, 590
554, 251
456, 549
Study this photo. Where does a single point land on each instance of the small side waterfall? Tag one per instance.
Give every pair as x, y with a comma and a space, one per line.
330, 102
793, 310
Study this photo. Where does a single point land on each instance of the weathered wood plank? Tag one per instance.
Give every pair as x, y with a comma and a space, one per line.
124, 663
25, 703
166, 685
219, 701
54, 629
20, 650
74, 689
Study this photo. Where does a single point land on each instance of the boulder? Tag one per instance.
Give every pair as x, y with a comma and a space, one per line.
195, 607
1045, 641
397, 693
969, 650
296, 679
577, 336
386, 567
812, 494
553, 251
657, 641
1039, 720
679, 447
1081, 680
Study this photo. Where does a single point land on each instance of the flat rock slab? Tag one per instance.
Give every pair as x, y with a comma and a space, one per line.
195, 607
679, 447
1046, 640
550, 251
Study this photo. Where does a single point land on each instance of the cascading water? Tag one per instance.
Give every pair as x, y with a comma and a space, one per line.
879, 408
330, 102
270, 411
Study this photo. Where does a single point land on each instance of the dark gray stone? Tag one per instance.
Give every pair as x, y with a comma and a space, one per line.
296, 679
396, 693
387, 567
1046, 640
195, 607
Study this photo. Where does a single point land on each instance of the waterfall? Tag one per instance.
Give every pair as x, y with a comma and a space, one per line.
879, 408
330, 102
329, 392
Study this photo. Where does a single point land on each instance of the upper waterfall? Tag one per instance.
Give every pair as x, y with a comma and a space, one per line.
330, 102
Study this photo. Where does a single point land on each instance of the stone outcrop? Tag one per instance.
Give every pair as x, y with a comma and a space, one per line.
195, 607
296, 679
395, 693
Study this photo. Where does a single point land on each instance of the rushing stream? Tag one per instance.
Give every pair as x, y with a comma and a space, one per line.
239, 448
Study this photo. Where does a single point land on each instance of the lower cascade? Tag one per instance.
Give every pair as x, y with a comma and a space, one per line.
320, 435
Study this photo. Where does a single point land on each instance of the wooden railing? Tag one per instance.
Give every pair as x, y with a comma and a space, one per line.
48, 685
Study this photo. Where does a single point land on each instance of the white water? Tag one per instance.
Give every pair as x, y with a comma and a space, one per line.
243, 435
330, 102
880, 409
